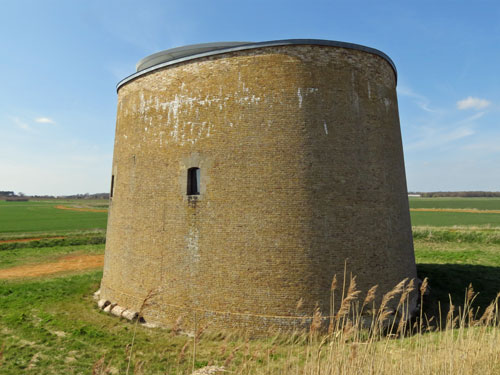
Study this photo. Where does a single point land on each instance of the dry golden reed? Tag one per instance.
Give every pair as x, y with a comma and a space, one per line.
388, 338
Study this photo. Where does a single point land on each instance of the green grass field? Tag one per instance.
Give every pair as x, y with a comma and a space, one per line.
51, 325
463, 203
43, 216
450, 219
35, 255
457, 248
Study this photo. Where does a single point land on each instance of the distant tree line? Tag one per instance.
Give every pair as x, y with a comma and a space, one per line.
462, 194
86, 196
10, 195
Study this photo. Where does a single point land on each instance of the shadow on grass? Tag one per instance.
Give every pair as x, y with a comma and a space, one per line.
453, 279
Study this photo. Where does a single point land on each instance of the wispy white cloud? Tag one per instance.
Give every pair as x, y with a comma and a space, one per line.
422, 101
442, 130
30, 124
21, 124
45, 120
458, 134
484, 146
472, 103
432, 138
474, 117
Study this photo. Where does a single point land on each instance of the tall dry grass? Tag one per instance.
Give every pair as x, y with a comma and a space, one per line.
359, 337
392, 342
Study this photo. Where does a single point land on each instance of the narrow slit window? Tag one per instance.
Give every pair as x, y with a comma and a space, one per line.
112, 186
193, 181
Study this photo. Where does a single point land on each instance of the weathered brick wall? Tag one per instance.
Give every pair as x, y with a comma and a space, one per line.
301, 168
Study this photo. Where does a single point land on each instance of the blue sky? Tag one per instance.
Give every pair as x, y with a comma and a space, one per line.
60, 61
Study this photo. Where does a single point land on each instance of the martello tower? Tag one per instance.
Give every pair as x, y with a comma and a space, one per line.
245, 174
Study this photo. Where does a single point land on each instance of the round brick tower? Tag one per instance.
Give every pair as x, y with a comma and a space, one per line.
246, 174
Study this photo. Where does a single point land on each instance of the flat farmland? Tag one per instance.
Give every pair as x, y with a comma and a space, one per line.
457, 242
463, 203
450, 219
52, 216
449, 212
51, 262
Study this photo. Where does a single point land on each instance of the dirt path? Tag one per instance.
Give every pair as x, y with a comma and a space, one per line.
81, 209
67, 263
32, 239
468, 210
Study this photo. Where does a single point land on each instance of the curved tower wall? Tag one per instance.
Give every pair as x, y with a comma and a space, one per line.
301, 167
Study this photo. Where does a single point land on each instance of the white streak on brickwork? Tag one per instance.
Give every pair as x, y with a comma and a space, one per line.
174, 106
369, 91
308, 90
326, 129
249, 99
175, 132
142, 104
355, 102
170, 113
201, 128
192, 240
387, 104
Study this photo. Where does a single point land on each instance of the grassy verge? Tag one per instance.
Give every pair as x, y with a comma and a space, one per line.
15, 257
452, 260
52, 233
89, 239
452, 202
448, 219
457, 234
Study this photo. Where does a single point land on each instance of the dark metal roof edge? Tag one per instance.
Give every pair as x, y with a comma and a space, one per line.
272, 43
183, 51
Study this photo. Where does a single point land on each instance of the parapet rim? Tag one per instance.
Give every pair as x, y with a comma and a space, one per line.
190, 52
